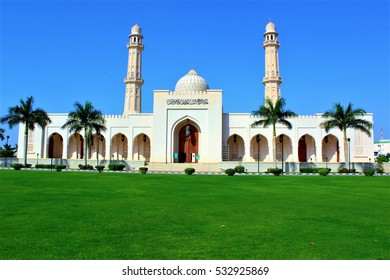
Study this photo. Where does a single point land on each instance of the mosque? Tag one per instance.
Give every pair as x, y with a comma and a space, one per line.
189, 127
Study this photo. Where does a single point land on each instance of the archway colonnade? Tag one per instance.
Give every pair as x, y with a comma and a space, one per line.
118, 147
260, 148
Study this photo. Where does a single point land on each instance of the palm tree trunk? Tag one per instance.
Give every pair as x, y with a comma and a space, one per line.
85, 148
345, 146
97, 151
25, 144
274, 144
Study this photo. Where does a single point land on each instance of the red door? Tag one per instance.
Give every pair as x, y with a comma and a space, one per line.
188, 143
302, 156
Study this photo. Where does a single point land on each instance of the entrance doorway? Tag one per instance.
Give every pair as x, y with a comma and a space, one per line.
302, 150
188, 144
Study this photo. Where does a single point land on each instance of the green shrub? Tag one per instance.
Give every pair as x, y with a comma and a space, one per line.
59, 167
189, 170
143, 169
323, 171
85, 167
343, 170
230, 171
239, 169
28, 165
380, 170
308, 170
275, 171
369, 172
116, 166
46, 166
353, 170
99, 168
17, 166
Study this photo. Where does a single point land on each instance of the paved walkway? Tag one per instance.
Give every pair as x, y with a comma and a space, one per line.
198, 173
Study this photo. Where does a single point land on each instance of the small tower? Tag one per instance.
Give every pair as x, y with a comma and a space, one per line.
134, 80
271, 79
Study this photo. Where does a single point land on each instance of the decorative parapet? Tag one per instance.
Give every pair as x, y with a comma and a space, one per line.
316, 116
115, 117
194, 93
307, 117
127, 116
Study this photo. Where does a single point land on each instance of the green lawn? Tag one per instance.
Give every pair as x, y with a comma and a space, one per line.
73, 215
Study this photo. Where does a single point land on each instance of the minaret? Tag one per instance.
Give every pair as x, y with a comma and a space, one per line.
271, 79
134, 80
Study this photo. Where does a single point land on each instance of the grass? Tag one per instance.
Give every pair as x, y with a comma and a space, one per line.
74, 215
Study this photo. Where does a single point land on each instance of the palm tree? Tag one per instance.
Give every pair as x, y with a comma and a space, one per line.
7, 151
85, 117
24, 113
344, 119
271, 114
2, 134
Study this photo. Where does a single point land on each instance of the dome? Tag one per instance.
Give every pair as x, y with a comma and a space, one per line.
191, 82
270, 27
136, 30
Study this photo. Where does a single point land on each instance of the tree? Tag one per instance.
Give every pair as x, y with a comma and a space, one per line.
7, 151
344, 119
271, 114
24, 113
2, 134
85, 117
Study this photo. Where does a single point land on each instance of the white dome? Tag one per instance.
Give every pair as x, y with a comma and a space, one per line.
136, 30
191, 82
270, 27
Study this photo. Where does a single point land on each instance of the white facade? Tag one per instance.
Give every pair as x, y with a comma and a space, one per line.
188, 126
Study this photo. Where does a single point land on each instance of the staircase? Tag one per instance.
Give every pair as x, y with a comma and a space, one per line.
179, 167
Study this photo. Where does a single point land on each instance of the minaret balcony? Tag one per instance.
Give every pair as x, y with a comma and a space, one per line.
135, 45
133, 80
272, 80
271, 43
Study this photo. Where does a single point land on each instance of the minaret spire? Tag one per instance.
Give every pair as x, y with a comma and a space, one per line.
134, 80
271, 79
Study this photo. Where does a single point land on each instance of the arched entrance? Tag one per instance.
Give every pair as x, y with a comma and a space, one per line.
259, 148
119, 147
236, 147
141, 147
330, 149
76, 146
55, 146
283, 148
188, 144
306, 148
98, 148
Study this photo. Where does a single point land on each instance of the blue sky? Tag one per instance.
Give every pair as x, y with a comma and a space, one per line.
66, 51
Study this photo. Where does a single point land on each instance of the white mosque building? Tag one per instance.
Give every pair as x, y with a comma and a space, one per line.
189, 127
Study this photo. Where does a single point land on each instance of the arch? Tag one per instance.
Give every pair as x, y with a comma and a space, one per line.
119, 147
76, 146
236, 147
306, 148
259, 151
141, 147
330, 149
98, 147
184, 149
56, 145
188, 144
286, 146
